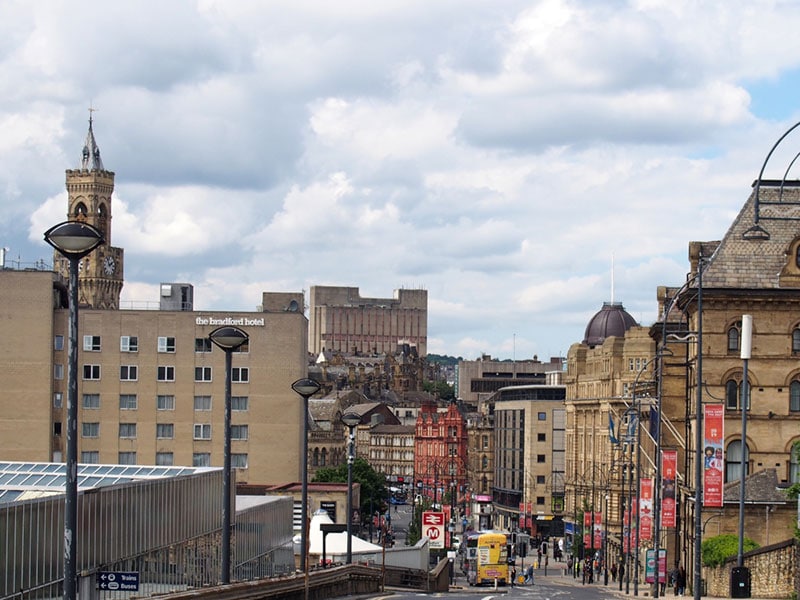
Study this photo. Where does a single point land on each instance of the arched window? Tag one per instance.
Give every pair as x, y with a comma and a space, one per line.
315, 458
485, 485
794, 464
794, 396
323, 458
733, 339
484, 462
733, 461
796, 341
732, 394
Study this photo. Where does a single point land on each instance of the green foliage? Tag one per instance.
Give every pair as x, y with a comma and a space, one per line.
444, 390
373, 488
716, 550
415, 526
443, 359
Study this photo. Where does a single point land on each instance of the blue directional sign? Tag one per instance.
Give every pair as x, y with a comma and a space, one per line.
123, 581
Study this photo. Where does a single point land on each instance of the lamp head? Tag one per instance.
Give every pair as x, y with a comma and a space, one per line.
73, 239
351, 419
306, 387
228, 338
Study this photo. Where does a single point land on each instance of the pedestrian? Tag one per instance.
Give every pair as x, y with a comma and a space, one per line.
622, 571
513, 576
613, 572
529, 575
680, 581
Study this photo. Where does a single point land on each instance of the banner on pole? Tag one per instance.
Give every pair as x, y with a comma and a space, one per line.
713, 462
646, 508
669, 467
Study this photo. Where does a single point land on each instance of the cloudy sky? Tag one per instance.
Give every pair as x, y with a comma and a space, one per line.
502, 155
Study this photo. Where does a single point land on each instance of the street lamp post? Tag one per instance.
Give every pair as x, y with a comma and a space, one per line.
227, 339
351, 420
73, 240
305, 388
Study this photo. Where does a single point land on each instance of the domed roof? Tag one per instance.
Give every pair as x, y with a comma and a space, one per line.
611, 320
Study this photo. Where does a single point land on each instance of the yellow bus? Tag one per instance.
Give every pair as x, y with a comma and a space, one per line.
487, 558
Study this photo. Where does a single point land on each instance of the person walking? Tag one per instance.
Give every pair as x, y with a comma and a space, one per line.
680, 581
513, 576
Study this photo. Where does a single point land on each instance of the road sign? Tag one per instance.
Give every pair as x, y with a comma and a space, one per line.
433, 528
123, 581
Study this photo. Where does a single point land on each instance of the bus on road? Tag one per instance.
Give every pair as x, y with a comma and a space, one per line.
487, 558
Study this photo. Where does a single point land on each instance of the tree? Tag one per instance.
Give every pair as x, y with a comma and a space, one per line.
373, 488
444, 390
716, 550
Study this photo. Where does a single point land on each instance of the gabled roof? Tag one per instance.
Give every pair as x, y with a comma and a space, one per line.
760, 487
746, 258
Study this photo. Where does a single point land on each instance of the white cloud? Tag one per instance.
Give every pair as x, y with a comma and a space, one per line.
497, 154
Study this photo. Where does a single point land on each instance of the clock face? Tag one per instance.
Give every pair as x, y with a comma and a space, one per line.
109, 265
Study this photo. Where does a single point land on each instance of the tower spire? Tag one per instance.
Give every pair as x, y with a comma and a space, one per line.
90, 157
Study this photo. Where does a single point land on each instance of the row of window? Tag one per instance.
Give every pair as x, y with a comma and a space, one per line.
163, 402
163, 373
734, 391
130, 343
164, 431
165, 459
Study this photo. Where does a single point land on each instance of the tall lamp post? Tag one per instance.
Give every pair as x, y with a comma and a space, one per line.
73, 240
227, 339
305, 388
351, 420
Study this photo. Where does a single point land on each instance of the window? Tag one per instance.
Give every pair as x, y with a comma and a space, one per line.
485, 442
127, 430
540, 500
128, 373
630, 364
239, 432
165, 431
91, 343
540, 479
244, 348
240, 374
58, 371
58, 342
57, 428
91, 401
202, 373
166, 344
794, 464
794, 396
734, 392
165, 402
541, 437
239, 403
202, 344
540, 458
126, 458
484, 462
166, 374
58, 400
164, 459
128, 343
202, 402
733, 339
202, 431
91, 372
90, 430
733, 461
542, 416
238, 461
89, 458
201, 459
128, 402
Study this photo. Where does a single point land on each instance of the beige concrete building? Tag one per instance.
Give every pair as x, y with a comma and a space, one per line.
391, 452
477, 380
150, 386
340, 320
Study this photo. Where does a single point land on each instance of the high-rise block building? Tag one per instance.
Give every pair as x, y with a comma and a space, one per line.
340, 320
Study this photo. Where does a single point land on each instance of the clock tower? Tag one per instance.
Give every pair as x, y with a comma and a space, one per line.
89, 189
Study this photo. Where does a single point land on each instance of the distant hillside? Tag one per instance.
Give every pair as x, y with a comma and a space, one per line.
443, 360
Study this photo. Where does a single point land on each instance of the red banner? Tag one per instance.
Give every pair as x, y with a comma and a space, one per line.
587, 528
646, 509
598, 530
713, 431
669, 468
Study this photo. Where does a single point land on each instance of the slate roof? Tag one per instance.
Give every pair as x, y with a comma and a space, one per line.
747, 259
761, 487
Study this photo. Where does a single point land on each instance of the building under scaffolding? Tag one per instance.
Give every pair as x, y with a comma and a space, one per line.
161, 523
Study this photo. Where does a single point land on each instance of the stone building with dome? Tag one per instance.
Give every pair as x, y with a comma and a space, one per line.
614, 356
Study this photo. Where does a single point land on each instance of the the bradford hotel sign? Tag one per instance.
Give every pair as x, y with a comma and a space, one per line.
233, 321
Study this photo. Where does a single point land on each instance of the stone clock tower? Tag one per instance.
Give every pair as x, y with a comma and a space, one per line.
89, 190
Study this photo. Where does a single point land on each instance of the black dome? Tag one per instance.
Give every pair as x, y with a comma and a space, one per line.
611, 320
